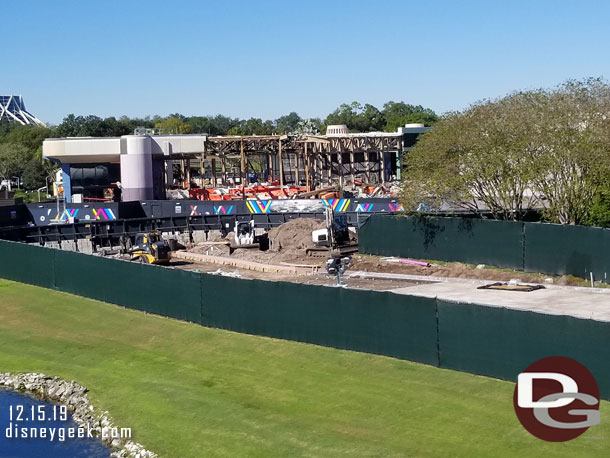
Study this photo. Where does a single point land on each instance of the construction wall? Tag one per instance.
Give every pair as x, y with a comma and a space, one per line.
13, 215
484, 340
367, 321
534, 247
501, 342
43, 214
575, 250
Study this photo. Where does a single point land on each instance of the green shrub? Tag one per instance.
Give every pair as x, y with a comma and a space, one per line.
599, 214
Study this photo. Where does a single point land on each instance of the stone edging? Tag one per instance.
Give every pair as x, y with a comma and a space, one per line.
74, 396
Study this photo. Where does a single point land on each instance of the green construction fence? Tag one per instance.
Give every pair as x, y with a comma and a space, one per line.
27, 264
574, 250
501, 342
484, 340
169, 292
368, 321
445, 239
534, 247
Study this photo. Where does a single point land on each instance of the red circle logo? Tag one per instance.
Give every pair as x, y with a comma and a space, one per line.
556, 399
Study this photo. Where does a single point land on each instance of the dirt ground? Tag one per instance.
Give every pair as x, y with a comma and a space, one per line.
287, 245
456, 270
321, 278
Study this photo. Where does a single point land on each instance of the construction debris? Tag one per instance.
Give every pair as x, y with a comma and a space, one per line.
407, 261
239, 263
510, 286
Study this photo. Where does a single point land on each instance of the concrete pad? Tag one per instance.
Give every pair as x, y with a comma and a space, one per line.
593, 303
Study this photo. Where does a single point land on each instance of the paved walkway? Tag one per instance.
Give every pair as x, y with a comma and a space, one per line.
591, 303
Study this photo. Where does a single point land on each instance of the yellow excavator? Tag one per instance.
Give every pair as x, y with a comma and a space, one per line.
150, 248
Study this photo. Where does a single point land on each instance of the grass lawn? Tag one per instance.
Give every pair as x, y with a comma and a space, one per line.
189, 391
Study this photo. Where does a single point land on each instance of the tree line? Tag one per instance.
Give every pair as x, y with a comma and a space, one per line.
21, 155
357, 117
543, 149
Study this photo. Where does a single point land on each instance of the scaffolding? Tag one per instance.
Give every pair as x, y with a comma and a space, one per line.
311, 161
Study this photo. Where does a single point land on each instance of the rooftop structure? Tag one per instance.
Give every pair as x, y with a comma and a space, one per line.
338, 129
13, 109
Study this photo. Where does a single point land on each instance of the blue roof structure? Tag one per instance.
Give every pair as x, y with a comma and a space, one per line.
13, 109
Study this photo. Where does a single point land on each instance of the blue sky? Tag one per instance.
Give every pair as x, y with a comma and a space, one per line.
267, 58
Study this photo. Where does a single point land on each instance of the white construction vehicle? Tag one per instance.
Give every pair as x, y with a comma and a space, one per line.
244, 232
335, 237
245, 237
334, 240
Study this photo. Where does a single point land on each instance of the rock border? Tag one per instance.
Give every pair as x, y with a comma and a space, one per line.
74, 396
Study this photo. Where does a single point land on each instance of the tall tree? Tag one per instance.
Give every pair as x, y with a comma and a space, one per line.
29, 136
356, 117
201, 125
35, 174
398, 114
253, 126
224, 123
473, 160
287, 123
572, 161
544, 148
346, 114
173, 125
369, 119
12, 160
600, 209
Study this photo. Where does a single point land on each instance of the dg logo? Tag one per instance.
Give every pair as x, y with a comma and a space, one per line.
556, 399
